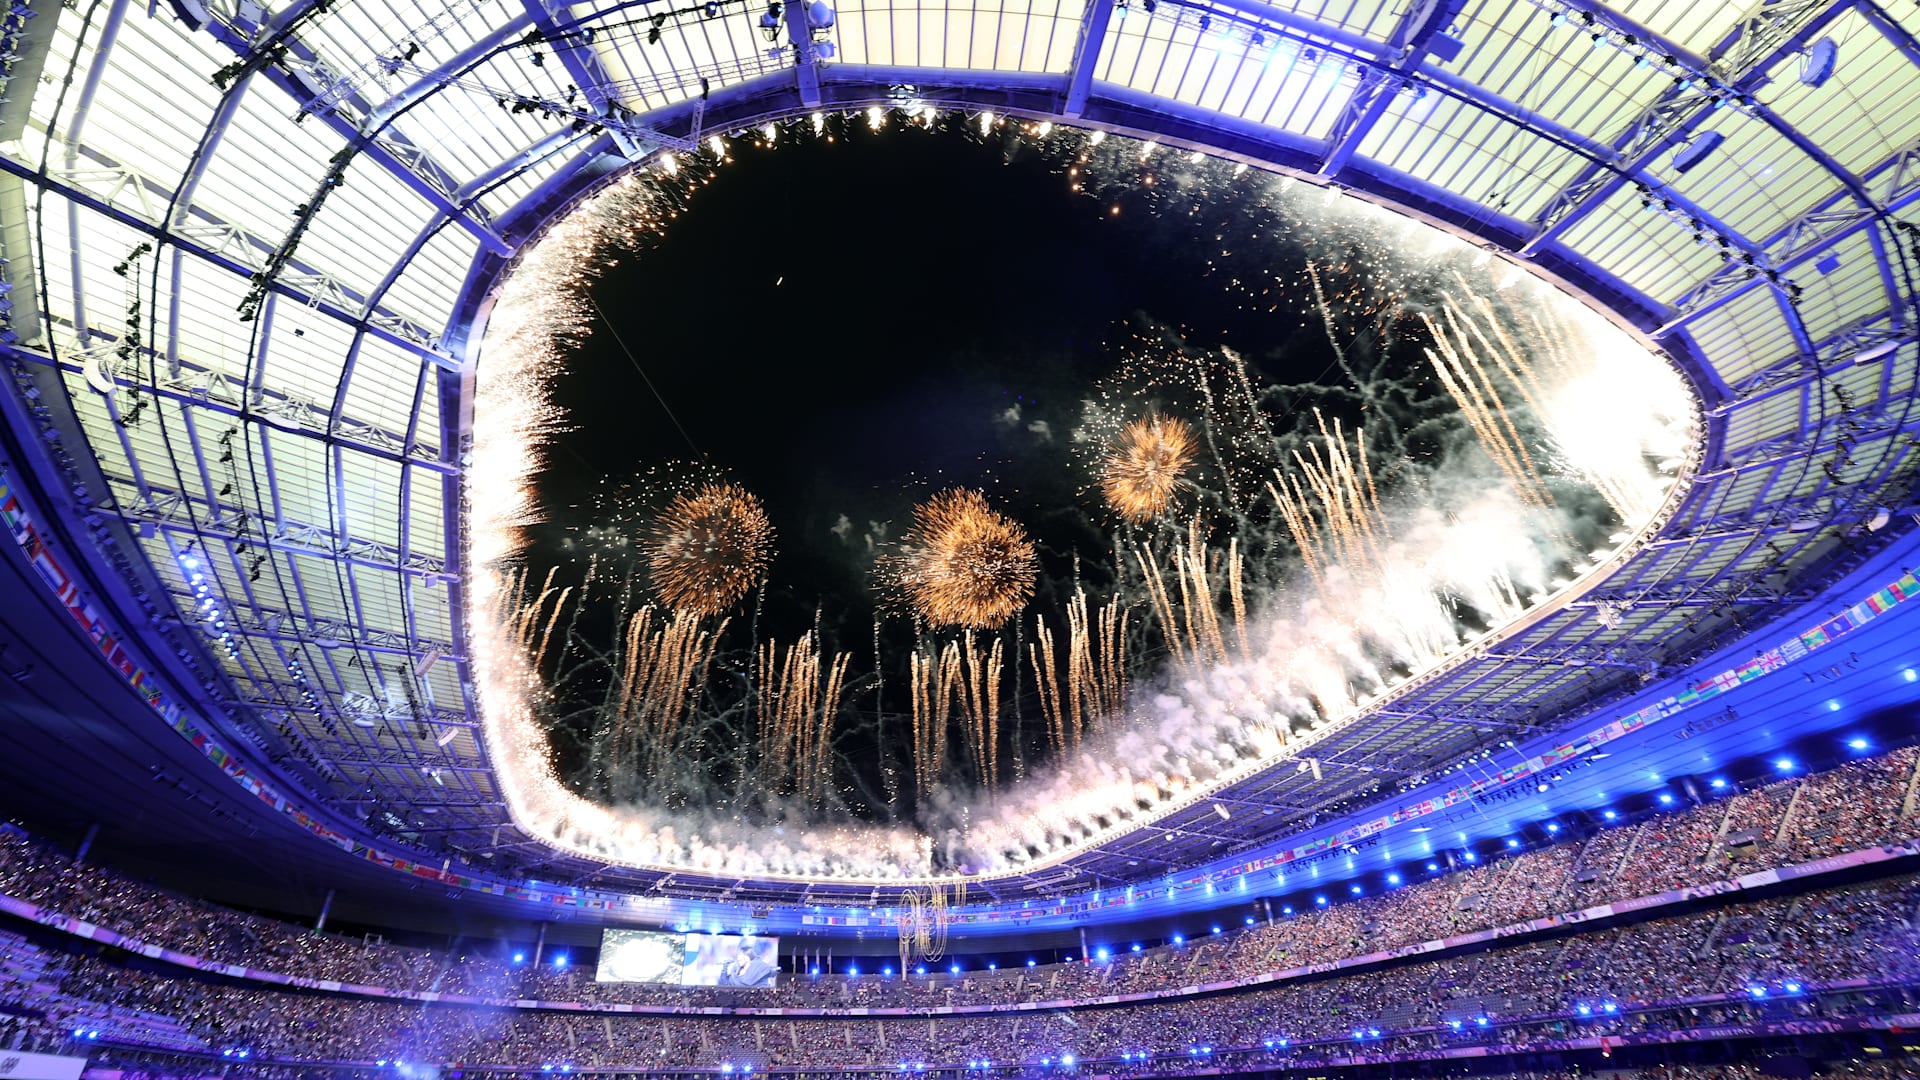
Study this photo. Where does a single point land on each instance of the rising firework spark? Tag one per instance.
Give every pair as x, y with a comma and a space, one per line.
962, 563
709, 549
1142, 471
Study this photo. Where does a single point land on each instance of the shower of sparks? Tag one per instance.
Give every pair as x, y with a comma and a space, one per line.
962, 563
1335, 563
709, 549
800, 691
1095, 673
1142, 471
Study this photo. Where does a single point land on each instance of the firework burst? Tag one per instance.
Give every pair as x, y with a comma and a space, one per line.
962, 563
1142, 470
709, 549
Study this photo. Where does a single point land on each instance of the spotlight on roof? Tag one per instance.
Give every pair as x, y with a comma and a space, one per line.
1817, 63
1692, 154
770, 21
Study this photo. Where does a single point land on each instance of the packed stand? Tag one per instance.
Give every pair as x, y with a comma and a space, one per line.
1622, 981
1856, 806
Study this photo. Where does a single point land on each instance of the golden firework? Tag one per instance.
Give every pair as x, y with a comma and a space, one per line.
1142, 469
710, 548
962, 564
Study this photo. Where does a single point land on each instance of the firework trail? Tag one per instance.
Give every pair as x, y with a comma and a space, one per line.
1095, 674
709, 549
934, 677
797, 708
962, 563
980, 706
663, 669
1142, 470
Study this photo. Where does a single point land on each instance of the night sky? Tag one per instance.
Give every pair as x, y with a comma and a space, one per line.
843, 326
848, 325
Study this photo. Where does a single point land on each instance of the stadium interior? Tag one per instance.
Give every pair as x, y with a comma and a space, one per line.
268, 278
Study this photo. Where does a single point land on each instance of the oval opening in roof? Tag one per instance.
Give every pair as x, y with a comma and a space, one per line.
906, 496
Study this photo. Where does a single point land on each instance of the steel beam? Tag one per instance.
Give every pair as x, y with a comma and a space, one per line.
1086, 56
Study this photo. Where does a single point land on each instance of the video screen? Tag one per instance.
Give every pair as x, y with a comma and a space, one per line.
640, 956
688, 959
717, 960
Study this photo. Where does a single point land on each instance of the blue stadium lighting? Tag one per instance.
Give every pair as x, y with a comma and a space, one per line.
1067, 1060
1355, 890
1609, 1007
1471, 857
1373, 1033
1321, 900
1393, 879
1206, 1050
569, 1068
1454, 1024
1609, 815
519, 958
1666, 799
1216, 929
993, 966
1553, 826
1481, 1020
954, 969
853, 970
1433, 868
382, 1063
1911, 674
887, 971
1586, 1010
549, 1068
241, 1054
1359, 1035
1757, 991
813, 971
1793, 988
94, 1034
1717, 783
1030, 959
560, 961
1249, 920
1136, 946
1512, 843
1832, 705
1101, 953
1784, 764
1858, 744
920, 969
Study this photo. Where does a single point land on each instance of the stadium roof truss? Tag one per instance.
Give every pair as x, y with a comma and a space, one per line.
281, 491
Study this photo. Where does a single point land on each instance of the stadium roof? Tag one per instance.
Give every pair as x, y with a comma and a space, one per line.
273, 504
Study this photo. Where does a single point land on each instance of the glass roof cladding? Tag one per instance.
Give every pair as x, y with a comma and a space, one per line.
250, 255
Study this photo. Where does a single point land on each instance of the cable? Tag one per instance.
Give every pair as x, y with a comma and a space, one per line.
664, 407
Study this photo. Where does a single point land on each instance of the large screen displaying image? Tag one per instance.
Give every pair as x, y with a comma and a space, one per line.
716, 960
640, 956
688, 959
